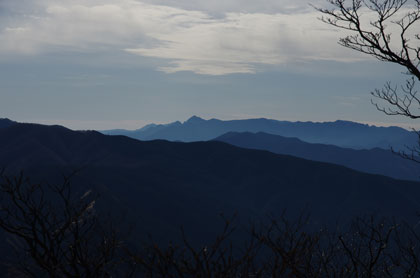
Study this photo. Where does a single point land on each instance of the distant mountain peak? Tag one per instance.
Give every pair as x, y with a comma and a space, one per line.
346, 122
146, 127
194, 119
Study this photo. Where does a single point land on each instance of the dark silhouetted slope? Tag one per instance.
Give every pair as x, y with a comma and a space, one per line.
4, 122
339, 133
376, 161
163, 185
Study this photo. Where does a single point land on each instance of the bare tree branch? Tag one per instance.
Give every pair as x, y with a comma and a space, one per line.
60, 233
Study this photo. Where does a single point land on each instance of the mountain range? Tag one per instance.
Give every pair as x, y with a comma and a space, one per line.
375, 161
340, 133
161, 186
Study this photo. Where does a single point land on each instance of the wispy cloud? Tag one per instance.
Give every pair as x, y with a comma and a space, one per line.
183, 38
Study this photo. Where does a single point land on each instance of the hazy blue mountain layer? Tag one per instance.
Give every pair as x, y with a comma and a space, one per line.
339, 133
375, 161
160, 185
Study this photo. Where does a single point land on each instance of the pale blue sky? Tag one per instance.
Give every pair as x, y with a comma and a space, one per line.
103, 64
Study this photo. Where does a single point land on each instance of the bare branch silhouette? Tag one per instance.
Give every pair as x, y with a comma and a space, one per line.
59, 233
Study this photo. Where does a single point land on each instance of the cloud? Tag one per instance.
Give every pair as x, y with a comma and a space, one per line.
182, 38
220, 7
242, 42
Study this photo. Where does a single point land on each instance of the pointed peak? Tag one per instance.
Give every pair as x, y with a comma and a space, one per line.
194, 119
146, 127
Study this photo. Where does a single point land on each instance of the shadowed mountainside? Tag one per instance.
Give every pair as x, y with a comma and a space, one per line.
4, 122
339, 133
375, 161
162, 185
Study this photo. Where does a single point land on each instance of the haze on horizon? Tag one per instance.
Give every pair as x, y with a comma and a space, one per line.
105, 64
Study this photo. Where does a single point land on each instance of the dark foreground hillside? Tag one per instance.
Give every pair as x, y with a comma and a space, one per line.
154, 188
160, 186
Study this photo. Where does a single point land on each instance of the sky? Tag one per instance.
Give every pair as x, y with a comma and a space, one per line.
105, 64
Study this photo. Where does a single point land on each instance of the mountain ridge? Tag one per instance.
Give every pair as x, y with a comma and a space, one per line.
375, 161
340, 133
